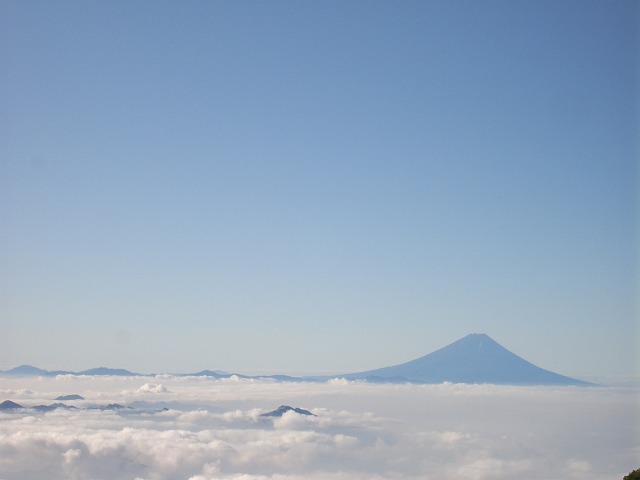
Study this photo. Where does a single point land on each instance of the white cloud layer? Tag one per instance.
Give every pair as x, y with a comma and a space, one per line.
212, 429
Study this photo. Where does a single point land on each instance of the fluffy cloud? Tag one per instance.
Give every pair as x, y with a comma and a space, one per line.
213, 430
152, 388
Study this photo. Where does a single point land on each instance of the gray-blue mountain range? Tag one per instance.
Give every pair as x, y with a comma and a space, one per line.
476, 358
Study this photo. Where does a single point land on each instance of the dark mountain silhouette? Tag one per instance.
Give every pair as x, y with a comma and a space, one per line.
476, 358
53, 406
282, 409
70, 397
111, 406
9, 405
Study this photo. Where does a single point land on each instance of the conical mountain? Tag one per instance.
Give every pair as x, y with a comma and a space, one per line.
476, 358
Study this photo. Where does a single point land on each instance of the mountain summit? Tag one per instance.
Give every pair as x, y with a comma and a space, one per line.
476, 358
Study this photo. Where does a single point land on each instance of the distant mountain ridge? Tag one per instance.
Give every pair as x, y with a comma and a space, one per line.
31, 371
10, 407
476, 358
120, 372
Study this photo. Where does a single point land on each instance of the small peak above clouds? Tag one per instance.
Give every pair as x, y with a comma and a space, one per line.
9, 405
282, 409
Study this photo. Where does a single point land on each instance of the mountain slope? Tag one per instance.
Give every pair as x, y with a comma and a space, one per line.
475, 358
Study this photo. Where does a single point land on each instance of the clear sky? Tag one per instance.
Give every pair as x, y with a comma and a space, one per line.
318, 186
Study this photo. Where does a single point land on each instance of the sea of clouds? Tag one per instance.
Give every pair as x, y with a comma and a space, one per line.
199, 428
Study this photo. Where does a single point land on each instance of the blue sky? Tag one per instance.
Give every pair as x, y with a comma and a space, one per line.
318, 186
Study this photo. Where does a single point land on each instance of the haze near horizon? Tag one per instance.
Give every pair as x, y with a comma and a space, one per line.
301, 187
